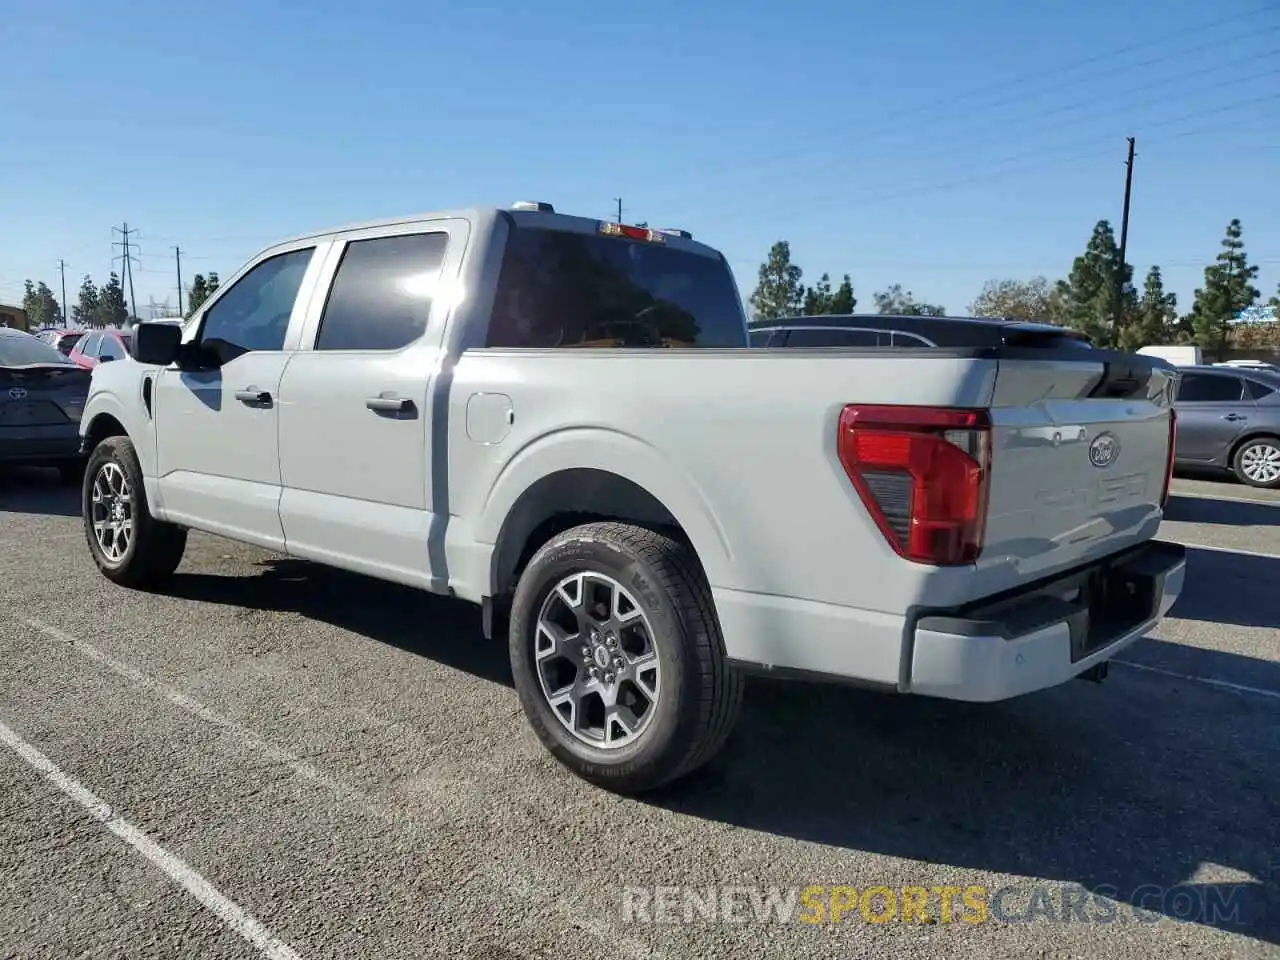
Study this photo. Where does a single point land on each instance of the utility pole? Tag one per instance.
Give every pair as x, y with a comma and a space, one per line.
127, 257
177, 254
62, 269
618, 201
1124, 231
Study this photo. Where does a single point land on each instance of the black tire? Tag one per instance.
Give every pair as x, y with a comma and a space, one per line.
699, 696
1252, 448
155, 549
72, 471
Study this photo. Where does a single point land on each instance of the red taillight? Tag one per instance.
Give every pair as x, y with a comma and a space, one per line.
1168, 470
923, 474
633, 233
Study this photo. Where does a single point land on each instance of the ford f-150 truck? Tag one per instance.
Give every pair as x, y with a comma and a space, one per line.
560, 419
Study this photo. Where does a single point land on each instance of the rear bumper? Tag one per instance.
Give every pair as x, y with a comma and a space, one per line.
1047, 634
40, 444
1035, 637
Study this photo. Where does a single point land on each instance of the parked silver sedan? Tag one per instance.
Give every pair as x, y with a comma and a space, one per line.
1229, 419
42, 395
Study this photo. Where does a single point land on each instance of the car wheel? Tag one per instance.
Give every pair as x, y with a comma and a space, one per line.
129, 546
1257, 462
618, 659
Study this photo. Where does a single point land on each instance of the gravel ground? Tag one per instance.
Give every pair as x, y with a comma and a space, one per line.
304, 763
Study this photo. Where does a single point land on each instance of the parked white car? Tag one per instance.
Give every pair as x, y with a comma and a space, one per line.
410, 399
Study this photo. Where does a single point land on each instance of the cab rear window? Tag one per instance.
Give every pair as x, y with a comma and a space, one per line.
559, 288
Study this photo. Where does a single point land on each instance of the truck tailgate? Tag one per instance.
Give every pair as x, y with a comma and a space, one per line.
1079, 459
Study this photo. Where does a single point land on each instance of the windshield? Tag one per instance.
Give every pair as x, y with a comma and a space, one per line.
563, 289
23, 350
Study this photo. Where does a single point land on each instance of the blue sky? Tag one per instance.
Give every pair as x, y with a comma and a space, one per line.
934, 145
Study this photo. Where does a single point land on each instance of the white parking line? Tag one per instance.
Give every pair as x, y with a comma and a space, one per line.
1220, 549
563, 902
1210, 496
193, 707
1209, 681
229, 912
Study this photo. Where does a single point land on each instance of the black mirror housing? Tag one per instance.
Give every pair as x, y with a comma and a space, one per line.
157, 343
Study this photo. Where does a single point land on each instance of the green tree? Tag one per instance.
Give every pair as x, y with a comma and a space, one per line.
41, 305
779, 292
112, 311
817, 299
1228, 289
821, 300
1089, 293
85, 311
902, 303
1274, 303
202, 289
843, 301
1156, 317
1036, 299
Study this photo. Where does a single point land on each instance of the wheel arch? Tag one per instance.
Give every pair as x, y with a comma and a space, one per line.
567, 498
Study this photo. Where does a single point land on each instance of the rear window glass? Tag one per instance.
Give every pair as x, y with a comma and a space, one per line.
19, 351
835, 337
1209, 388
563, 289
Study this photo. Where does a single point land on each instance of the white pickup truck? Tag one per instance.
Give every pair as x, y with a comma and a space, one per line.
412, 400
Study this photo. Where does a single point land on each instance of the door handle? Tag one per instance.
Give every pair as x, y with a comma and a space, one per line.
254, 397
389, 404
1233, 417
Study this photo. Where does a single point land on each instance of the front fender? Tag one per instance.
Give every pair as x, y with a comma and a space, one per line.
116, 391
627, 456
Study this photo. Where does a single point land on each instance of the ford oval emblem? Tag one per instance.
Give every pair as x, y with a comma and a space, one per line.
1104, 450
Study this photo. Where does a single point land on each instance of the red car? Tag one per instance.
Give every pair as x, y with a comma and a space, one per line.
64, 340
98, 346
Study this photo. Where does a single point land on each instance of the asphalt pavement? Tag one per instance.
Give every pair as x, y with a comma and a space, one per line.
273, 759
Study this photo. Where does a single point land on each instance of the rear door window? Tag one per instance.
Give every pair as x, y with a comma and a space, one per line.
381, 296
566, 289
89, 345
1209, 388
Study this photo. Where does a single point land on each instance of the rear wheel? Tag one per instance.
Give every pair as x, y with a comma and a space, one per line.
129, 546
617, 657
1257, 462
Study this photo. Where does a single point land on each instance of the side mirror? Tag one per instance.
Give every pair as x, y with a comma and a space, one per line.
105, 359
157, 343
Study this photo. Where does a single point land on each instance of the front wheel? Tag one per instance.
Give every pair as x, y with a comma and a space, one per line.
1257, 462
129, 546
617, 657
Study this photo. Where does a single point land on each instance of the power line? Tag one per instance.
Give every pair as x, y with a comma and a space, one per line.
947, 105
965, 126
177, 255
127, 257
62, 270
1124, 233
998, 169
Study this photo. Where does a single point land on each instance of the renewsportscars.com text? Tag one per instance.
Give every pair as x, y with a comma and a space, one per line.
973, 904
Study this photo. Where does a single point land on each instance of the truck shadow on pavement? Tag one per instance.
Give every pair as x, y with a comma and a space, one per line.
1230, 588
1138, 789
1227, 513
35, 490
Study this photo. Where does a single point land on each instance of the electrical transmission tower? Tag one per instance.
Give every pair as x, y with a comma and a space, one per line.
128, 256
